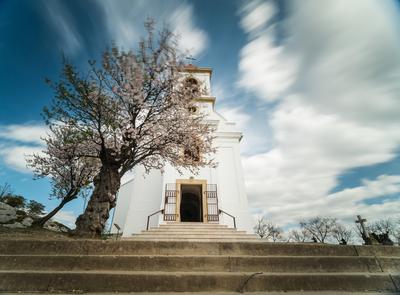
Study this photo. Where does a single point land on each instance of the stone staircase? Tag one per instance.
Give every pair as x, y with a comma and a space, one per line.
201, 266
193, 231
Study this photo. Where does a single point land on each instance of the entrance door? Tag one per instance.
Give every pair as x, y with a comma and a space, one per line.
191, 209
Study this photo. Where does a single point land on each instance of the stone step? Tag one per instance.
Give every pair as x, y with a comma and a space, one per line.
128, 281
129, 247
224, 230
224, 293
190, 227
270, 264
197, 234
176, 223
195, 237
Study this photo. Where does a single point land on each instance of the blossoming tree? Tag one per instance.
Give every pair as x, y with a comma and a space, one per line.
70, 174
132, 109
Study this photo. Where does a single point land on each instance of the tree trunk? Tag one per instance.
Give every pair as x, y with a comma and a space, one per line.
106, 185
41, 221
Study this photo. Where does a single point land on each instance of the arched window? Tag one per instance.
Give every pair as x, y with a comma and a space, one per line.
193, 84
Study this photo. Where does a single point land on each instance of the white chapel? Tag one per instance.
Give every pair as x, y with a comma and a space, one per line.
210, 196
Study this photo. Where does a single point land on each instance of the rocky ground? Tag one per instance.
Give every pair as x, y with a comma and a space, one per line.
16, 224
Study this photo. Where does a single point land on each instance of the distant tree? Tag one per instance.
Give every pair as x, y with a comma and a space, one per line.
35, 208
261, 227
382, 226
299, 236
397, 230
132, 109
5, 190
16, 201
342, 233
69, 173
320, 228
266, 229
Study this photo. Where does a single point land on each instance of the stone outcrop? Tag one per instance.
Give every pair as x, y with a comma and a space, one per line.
7, 213
11, 217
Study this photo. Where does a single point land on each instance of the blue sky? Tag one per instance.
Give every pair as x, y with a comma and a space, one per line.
313, 86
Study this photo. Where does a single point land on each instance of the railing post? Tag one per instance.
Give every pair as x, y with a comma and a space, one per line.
233, 217
148, 221
148, 217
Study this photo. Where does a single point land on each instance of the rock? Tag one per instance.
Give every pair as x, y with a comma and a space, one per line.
14, 225
27, 221
7, 213
56, 226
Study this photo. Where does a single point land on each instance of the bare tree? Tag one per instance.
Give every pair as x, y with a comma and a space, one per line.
319, 227
382, 226
5, 189
133, 109
343, 234
261, 227
266, 229
69, 173
299, 236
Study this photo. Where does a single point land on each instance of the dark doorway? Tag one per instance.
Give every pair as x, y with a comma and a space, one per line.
191, 203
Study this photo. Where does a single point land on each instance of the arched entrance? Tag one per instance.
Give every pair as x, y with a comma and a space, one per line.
191, 209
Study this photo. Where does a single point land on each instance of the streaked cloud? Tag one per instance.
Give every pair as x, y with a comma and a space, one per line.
28, 133
192, 40
63, 23
265, 69
125, 22
14, 156
336, 93
18, 141
66, 217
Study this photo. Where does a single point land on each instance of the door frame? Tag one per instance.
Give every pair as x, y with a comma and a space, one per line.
203, 183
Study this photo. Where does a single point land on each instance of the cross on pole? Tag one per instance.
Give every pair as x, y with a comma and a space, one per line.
361, 221
191, 58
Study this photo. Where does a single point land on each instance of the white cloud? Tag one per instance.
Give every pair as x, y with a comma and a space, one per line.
256, 15
125, 22
66, 217
14, 156
18, 141
192, 40
265, 68
29, 133
338, 107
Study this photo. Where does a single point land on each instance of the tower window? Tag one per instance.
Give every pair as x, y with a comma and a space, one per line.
193, 84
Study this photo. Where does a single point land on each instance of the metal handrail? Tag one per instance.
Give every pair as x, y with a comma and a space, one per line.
148, 217
233, 217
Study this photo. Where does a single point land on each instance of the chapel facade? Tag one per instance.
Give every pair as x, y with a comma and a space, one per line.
187, 197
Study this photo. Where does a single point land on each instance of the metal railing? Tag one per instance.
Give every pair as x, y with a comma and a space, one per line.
233, 217
148, 217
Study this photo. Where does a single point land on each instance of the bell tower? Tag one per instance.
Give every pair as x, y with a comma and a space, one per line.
213, 195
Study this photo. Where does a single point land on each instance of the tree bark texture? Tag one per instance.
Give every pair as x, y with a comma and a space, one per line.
106, 185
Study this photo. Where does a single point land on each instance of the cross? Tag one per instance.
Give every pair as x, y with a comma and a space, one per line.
190, 58
361, 221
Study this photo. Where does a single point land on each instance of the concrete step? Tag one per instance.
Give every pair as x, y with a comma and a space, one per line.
124, 281
223, 293
195, 230
183, 223
193, 238
270, 264
196, 234
134, 247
